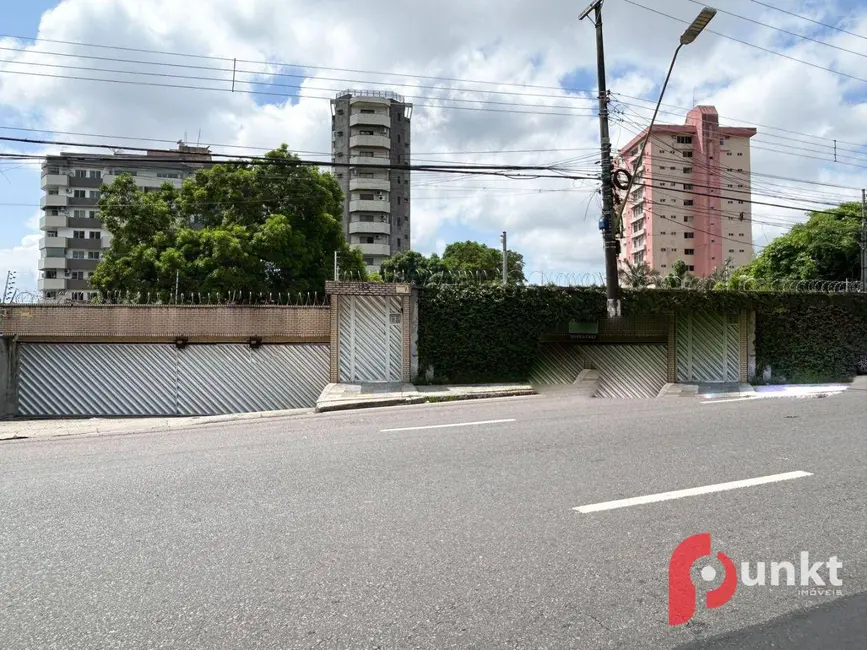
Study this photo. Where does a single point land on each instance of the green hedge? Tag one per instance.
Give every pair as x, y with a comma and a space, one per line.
812, 343
490, 333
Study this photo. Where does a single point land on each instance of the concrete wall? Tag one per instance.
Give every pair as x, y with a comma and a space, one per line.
154, 323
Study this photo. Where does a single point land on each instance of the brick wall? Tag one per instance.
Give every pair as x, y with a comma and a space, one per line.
164, 323
366, 289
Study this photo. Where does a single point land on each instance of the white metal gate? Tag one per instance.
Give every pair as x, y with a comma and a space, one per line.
708, 347
370, 339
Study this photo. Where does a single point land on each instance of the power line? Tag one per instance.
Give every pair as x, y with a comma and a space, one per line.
784, 31
236, 71
683, 111
753, 45
500, 170
276, 94
815, 22
297, 65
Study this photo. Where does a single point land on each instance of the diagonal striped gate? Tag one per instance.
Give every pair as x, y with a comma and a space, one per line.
371, 339
708, 347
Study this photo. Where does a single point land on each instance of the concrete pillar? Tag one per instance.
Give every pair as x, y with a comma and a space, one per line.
672, 348
8, 377
334, 346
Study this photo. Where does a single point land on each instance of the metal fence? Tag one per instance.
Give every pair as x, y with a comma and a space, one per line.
307, 299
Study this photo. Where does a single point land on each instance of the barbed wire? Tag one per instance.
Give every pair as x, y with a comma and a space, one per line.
168, 298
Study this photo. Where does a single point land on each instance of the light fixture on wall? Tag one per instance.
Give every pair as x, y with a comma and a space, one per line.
181, 342
254, 342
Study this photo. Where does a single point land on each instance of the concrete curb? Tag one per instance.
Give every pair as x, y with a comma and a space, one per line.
348, 405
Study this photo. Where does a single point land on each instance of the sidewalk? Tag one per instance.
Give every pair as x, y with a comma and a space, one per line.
339, 397
60, 427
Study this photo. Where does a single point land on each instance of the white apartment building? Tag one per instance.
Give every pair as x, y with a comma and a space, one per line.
370, 131
73, 238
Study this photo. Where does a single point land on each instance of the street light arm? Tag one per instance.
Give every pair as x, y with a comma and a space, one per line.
632, 176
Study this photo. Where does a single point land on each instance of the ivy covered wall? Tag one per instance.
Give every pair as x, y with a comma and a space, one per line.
491, 333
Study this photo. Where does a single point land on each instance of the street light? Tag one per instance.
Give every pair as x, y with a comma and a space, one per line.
689, 35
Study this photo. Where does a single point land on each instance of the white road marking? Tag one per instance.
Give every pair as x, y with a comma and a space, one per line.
721, 400
690, 492
446, 426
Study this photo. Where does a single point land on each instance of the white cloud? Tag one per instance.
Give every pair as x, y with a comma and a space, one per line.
507, 41
23, 257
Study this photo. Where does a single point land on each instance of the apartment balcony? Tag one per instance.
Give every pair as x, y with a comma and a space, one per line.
360, 205
76, 285
381, 141
54, 200
50, 221
86, 244
85, 181
52, 242
83, 202
369, 228
383, 250
369, 119
377, 184
51, 284
52, 263
361, 161
54, 180
83, 222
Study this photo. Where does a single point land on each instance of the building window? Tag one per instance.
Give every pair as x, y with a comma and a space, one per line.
687, 154
690, 268
398, 200
95, 173
78, 194
685, 218
94, 194
684, 139
368, 261
741, 202
95, 234
689, 251
78, 234
366, 197
731, 250
78, 214
689, 235
688, 202
78, 295
51, 233
664, 266
93, 255
78, 255
731, 201
77, 275
398, 243
367, 240
740, 170
742, 250
94, 214
687, 170
168, 175
740, 154
367, 111
51, 274
366, 154
662, 249
81, 173
686, 186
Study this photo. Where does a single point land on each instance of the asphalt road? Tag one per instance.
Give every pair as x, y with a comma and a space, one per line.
327, 531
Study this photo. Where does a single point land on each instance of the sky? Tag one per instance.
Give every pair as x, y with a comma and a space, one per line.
492, 82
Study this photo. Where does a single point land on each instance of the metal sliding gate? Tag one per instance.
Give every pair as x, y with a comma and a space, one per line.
127, 379
371, 339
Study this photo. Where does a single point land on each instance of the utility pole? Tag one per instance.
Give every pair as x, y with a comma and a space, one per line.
863, 241
612, 288
505, 259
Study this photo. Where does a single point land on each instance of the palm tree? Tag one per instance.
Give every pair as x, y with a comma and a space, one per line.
638, 275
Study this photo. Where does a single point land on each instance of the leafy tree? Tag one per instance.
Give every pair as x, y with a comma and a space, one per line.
240, 227
638, 275
411, 266
678, 277
826, 247
484, 261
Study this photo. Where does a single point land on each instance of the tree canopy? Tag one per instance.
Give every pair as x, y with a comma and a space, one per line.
483, 262
825, 247
241, 227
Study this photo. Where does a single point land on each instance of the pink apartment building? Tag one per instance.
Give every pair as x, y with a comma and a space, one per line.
690, 200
